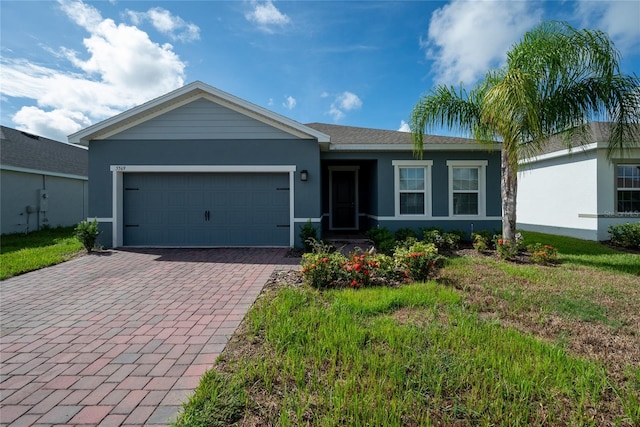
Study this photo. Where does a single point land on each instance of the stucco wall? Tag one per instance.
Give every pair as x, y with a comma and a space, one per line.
572, 195
560, 193
67, 201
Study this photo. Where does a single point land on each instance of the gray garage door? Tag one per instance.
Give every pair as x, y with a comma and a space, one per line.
206, 209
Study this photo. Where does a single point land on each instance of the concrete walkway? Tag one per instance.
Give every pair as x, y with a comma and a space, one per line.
122, 337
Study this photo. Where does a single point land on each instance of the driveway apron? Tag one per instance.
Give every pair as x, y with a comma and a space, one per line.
121, 337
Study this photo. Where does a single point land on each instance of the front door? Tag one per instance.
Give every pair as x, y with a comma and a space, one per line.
344, 199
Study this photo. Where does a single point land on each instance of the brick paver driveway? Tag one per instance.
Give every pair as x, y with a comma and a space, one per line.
121, 338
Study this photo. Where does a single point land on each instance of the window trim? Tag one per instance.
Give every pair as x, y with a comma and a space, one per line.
618, 189
427, 165
481, 165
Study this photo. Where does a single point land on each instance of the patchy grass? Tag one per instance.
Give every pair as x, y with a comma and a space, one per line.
588, 253
21, 253
488, 343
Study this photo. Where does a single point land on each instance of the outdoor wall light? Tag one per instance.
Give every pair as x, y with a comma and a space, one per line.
304, 175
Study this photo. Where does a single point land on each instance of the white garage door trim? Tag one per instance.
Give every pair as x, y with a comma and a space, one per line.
118, 171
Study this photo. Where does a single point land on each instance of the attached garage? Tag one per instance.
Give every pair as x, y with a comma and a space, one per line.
198, 167
206, 209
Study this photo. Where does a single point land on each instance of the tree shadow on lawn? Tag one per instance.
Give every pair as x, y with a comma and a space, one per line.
588, 253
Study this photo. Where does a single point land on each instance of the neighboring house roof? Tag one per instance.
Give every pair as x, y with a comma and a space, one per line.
595, 133
24, 151
185, 95
350, 138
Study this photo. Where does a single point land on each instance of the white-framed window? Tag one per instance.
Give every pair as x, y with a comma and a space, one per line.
628, 188
467, 187
412, 187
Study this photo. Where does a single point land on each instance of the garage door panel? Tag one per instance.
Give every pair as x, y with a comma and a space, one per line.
244, 209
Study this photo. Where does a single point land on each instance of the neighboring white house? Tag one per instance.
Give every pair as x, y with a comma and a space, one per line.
42, 182
578, 192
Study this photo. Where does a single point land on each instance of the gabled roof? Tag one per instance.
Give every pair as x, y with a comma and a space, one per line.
350, 138
185, 95
24, 151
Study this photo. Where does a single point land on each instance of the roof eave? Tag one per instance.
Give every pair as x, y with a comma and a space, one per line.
409, 147
197, 89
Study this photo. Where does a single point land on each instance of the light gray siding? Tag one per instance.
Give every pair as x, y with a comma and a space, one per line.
66, 203
202, 119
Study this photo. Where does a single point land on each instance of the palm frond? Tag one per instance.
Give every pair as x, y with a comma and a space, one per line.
446, 107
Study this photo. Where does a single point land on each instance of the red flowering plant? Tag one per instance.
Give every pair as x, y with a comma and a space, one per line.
542, 254
417, 260
505, 248
359, 269
323, 269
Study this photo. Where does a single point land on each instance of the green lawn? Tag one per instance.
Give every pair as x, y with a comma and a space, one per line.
21, 253
487, 343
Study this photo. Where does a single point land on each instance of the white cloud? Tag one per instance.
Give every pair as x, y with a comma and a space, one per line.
349, 101
123, 68
270, 103
467, 38
289, 103
619, 19
266, 15
346, 101
404, 127
55, 124
163, 21
324, 94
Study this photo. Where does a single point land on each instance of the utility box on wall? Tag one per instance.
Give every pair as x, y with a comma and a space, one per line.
43, 195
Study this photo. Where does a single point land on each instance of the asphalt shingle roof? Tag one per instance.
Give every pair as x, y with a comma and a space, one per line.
21, 149
356, 135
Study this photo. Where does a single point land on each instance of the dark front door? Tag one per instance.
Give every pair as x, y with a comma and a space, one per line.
343, 199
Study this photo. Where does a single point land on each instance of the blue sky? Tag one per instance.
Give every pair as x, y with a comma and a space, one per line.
67, 64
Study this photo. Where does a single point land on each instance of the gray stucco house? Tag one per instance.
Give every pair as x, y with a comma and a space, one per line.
43, 182
200, 167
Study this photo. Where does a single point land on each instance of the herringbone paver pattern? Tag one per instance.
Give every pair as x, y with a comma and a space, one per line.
121, 337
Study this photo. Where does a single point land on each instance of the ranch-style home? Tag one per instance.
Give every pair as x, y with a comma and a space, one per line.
578, 192
199, 167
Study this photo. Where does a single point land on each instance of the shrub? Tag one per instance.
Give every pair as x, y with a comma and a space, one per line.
386, 268
322, 269
542, 254
418, 260
443, 241
383, 239
403, 234
358, 269
462, 235
308, 231
505, 249
626, 235
486, 235
480, 242
87, 233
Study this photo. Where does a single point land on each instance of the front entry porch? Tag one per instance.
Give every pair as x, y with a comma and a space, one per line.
348, 191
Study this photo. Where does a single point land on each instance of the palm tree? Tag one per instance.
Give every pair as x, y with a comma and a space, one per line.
556, 80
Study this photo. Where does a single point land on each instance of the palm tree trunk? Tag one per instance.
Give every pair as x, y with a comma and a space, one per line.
509, 188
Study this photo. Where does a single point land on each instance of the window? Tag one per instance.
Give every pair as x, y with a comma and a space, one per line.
412, 190
628, 188
466, 187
